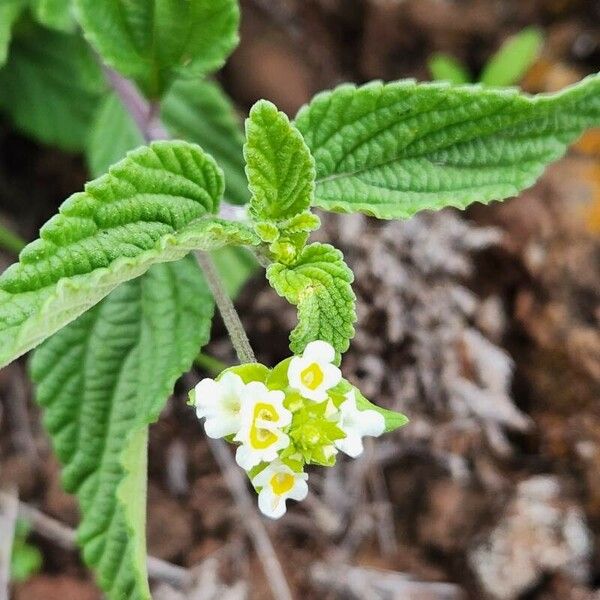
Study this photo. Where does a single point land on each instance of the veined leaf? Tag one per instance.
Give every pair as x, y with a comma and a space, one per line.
444, 67
51, 87
391, 150
154, 206
279, 166
514, 58
194, 110
319, 283
56, 14
102, 380
199, 111
153, 40
10, 11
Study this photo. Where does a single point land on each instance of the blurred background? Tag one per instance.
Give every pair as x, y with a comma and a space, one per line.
482, 326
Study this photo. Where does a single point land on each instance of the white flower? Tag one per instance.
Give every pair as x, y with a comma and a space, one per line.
279, 483
262, 418
312, 374
220, 403
356, 424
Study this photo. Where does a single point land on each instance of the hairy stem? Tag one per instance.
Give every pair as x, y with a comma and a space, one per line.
232, 321
147, 117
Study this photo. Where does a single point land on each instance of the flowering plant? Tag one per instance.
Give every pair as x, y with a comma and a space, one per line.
118, 292
301, 412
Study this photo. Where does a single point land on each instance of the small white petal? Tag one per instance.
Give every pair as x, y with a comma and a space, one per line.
245, 458
270, 505
372, 423
221, 426
351, 445
299, 491
319, 351
331, 376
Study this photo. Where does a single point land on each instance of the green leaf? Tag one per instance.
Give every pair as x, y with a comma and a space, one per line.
199, 111
391, 150
514, 59
113, 134
444, 67
279, 166
319, 284
194, 110
152, 41
51, 87
154, 206
393, 419
10, 11
102, 380
56, 14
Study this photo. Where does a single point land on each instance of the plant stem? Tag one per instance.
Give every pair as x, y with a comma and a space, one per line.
210, 364
11, 241
232, 321
147, 117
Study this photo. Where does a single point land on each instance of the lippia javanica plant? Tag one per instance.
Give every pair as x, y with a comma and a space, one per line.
117, 293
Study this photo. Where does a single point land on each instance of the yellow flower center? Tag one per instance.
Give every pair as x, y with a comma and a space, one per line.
312, 377
282, 483
261, 438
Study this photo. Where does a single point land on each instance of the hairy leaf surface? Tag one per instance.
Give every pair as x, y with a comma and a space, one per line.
279, 166
153, 40
319, 284
390, 150
51, 87
101, 381
154, 206
194, 110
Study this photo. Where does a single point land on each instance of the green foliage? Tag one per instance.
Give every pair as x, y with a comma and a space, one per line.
514, 59
194, 110
198, 111
235, 266
113, 134
444, 67
279, 166
147, 209
102, 380
26, 560
152, 41
10, 11
319, 283
51, 86
56, 14
391, 150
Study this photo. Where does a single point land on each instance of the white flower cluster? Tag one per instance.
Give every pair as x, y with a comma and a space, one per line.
302, 412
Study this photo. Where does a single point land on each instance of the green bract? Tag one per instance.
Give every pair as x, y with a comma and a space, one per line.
154, 206
102, 380
152, 41
391, 150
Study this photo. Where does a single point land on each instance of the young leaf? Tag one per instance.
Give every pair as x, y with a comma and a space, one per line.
391, 150
56, 14
51, 87
102, 380
319, 284
514, 59
10, 11
279, 166
444, 67
194, 110
152, 41
154, 206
